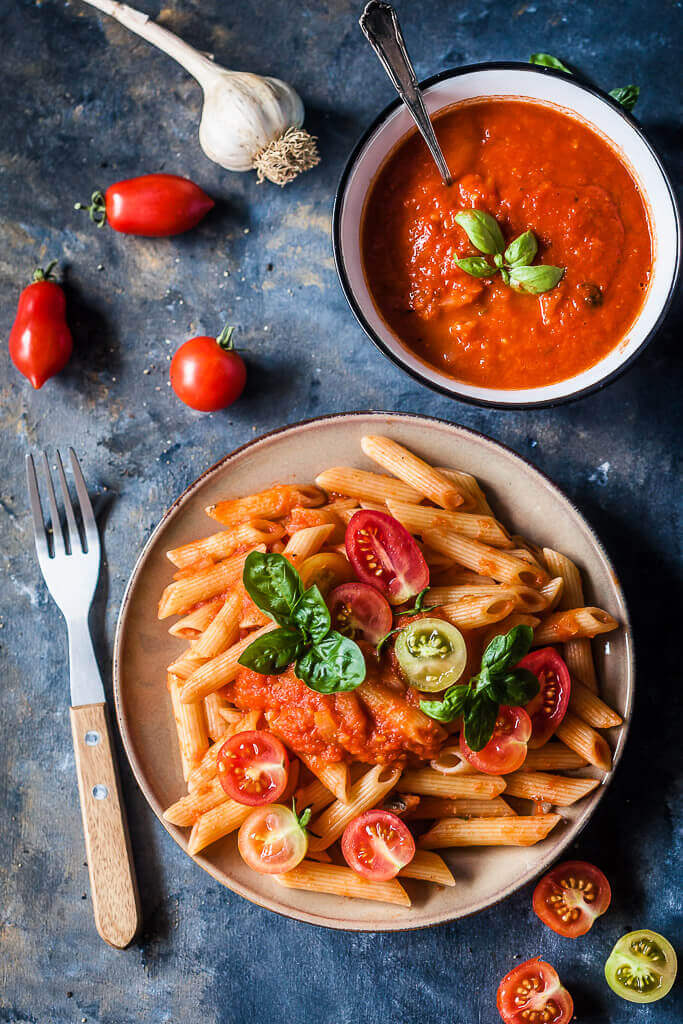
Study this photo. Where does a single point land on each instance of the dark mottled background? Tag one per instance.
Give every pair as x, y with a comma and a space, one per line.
85, 103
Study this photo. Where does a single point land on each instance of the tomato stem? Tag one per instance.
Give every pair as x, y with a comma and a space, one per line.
97, 210
224, 339
44, 275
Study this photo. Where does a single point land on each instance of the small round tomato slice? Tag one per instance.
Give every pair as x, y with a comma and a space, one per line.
272, 840
386, 556
431, 654
547, 709
642, 967
532, 993
570, 897
359, 611
506, 750
253, 768
326, 571
377, 845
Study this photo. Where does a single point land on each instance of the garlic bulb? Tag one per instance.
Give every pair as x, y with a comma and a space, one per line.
248, 122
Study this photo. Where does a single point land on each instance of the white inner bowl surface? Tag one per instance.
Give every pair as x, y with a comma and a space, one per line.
577, 102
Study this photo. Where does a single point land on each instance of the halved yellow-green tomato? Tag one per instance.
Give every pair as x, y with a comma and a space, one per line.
642, 967
432, 654
326, 571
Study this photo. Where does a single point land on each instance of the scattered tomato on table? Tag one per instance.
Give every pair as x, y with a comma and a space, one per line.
532, 993
40, 341
152, 205
642, 967
571, 896
207, 373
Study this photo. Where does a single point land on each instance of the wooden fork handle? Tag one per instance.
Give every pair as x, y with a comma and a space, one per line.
115, 899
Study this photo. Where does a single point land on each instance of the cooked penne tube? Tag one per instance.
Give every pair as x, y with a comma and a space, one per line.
553, 757
342, 881
271, 504
196, 621
413, 470
553, 789
222, 669
181, 595
484, 559
577, 653
562, 626
221, 545
527, 599
427, 782
476, 612
308, 541
552, 592
428, 867
334, 777
365, 793
468, 485
216, 724
517, 831
214, 824
190, 723
462, 807
184, 812
450, 761
417, 518
358, 483
315, 795
588, 706
585, 741
222, 631
185, 664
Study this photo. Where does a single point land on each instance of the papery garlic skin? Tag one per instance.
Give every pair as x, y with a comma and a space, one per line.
243, 113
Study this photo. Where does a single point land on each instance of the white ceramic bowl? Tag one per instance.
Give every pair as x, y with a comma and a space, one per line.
581, 101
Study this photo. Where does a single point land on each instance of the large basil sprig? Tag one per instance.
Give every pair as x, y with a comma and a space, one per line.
498, 682
513, 262
627, 95
324, 659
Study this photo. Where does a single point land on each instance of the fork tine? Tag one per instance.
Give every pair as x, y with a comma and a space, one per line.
54, 511
74, 536
91, 534
36, 510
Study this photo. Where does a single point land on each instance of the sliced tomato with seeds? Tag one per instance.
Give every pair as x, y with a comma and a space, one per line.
532, 993
386, 556
253, 768
377, 845
359, 611
506, 750
273, 839
547, 709
570, 897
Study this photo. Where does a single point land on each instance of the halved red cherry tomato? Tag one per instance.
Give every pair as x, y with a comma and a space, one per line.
506, 750
532, 993
359, 611
151, 205
570, 897
377, 844
386, 556
40, 341
253, 768
549, 706
272, 840
207, 373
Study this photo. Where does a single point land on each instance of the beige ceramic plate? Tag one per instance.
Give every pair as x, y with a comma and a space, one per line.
521, 495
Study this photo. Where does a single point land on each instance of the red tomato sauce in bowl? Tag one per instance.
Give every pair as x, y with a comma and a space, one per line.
532, 167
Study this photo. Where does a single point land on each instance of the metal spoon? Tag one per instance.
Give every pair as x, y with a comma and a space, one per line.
379, 23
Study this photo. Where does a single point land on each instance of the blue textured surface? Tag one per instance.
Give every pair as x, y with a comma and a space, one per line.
84, 104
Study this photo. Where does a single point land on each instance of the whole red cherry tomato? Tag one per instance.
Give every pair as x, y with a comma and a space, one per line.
153, 205
207, 373
40, 341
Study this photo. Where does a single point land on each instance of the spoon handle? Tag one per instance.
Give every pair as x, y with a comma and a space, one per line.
380, 26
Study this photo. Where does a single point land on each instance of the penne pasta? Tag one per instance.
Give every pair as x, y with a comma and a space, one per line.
219, 671
428, 867
477, 612
190, 723
271, 504
216, 725
577, 653
413, 470
552, 592
365, 793
222, 631
468, 485
342, 881
196, 621
512, 831
585, 741
308, 541
180, 596
583, 622
587, 705
184, 812
315, 796
553, 757
221, 545
359, 484
485, 560
216, 823
417, 518
526, 599
334, 777
553, 789
463, 807
427, 782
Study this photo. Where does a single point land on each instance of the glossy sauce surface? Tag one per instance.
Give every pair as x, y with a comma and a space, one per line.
531, 167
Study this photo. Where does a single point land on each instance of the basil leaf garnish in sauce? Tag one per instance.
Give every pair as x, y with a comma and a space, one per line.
535, 280
482, 230
512, 263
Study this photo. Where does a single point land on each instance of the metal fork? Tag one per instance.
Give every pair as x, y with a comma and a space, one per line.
70, 563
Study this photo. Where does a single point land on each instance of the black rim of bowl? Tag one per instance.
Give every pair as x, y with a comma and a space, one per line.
382, 345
